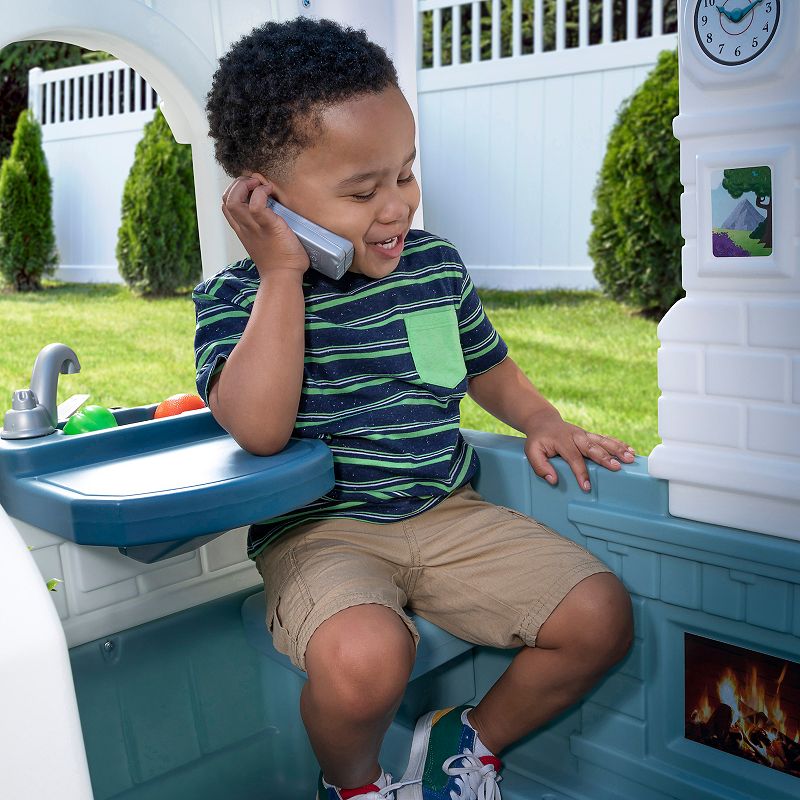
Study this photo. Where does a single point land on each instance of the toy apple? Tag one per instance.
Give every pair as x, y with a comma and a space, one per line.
177, 404
91, 418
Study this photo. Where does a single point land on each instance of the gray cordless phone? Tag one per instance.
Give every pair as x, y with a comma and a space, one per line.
329, 253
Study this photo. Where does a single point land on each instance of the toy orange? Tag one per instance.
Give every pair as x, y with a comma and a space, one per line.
177, 404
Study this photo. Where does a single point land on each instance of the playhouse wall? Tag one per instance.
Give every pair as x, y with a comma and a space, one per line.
160, 722
104, 592
626, 739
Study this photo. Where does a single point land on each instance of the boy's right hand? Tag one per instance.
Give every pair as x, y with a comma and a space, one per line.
269, 241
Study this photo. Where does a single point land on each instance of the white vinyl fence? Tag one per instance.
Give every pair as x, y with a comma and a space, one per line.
516, 99
92, 117
514, 123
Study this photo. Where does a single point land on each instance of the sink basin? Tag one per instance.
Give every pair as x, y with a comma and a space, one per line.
164, 482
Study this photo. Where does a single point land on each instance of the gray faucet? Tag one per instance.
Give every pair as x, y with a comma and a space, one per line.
34, 411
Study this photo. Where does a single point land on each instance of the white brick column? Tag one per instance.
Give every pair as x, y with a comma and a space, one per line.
729, 362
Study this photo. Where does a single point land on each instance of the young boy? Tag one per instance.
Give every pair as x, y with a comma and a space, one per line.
375, 365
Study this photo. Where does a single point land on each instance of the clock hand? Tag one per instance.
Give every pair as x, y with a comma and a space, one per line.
745, 11
738, 14
725, 11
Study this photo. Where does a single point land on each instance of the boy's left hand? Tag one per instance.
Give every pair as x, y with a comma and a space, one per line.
549, 435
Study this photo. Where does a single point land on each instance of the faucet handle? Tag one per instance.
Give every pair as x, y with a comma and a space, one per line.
26, 419
23, 400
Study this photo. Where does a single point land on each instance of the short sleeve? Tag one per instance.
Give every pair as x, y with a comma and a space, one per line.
481, 344
222, 313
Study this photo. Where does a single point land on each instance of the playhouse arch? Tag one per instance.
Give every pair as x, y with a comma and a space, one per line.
171, 62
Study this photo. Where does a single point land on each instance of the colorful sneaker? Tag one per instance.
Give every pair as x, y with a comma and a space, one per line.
443, 756
369, 792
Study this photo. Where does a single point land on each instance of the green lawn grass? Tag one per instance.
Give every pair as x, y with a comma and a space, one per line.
132, 351
594, 359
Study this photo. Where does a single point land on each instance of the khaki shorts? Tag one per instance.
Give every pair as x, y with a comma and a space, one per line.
483, 572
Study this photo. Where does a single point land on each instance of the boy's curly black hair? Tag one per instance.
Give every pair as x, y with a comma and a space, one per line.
271, 87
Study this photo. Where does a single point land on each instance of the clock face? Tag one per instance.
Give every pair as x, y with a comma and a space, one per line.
733, 32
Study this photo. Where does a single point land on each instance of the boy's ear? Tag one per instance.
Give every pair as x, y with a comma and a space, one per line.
276, 187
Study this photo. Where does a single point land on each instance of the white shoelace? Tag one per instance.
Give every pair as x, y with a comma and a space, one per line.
475, 780
387, 791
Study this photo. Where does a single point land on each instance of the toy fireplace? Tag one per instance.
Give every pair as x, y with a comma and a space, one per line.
743, 702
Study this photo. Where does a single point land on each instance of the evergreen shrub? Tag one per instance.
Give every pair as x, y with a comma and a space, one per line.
636, 241
27, 238
15, 61
158, 246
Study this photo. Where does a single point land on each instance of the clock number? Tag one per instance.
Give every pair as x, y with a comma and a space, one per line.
769, 8
755, 42
766, 27
710, 3
737, 51
704, 18
721, 48
709, 38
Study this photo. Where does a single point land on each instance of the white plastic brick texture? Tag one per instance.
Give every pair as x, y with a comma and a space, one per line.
48, 560
679, 369
757, 376
796, 380
706, 321
735, 509
797, 206
774, 324
774, 430
173, 570
95, 567
36, 537
701, 421
83, 602
688, 215
226, 550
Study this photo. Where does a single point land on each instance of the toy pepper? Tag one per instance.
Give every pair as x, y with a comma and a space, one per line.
92, 418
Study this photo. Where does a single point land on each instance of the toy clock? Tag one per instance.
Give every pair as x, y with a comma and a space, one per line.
733, 32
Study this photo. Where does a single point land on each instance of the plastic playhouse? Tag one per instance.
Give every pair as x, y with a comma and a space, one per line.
150, 674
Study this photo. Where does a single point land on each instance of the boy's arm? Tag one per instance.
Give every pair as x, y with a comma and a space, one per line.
506, 393
256, 396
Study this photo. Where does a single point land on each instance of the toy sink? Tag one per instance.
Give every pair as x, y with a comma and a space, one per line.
154, 488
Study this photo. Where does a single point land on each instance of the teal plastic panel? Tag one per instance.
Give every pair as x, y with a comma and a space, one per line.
186, 707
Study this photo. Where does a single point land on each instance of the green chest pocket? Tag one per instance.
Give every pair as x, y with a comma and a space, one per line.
436, 346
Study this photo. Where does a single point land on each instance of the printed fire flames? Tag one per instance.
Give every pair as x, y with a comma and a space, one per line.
743, 702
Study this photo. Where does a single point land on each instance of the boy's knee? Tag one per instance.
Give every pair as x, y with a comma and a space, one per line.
364, 656
608, 620
596, 619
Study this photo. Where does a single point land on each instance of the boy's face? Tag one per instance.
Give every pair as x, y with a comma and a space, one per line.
356, 179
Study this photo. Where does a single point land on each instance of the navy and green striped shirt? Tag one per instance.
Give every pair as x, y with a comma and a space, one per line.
386, 366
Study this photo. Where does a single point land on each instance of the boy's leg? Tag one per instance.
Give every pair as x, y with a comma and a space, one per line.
358, 664
589, 631
496, 577
335, 592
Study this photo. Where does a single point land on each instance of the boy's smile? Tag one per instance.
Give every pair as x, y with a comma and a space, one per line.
356, 178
